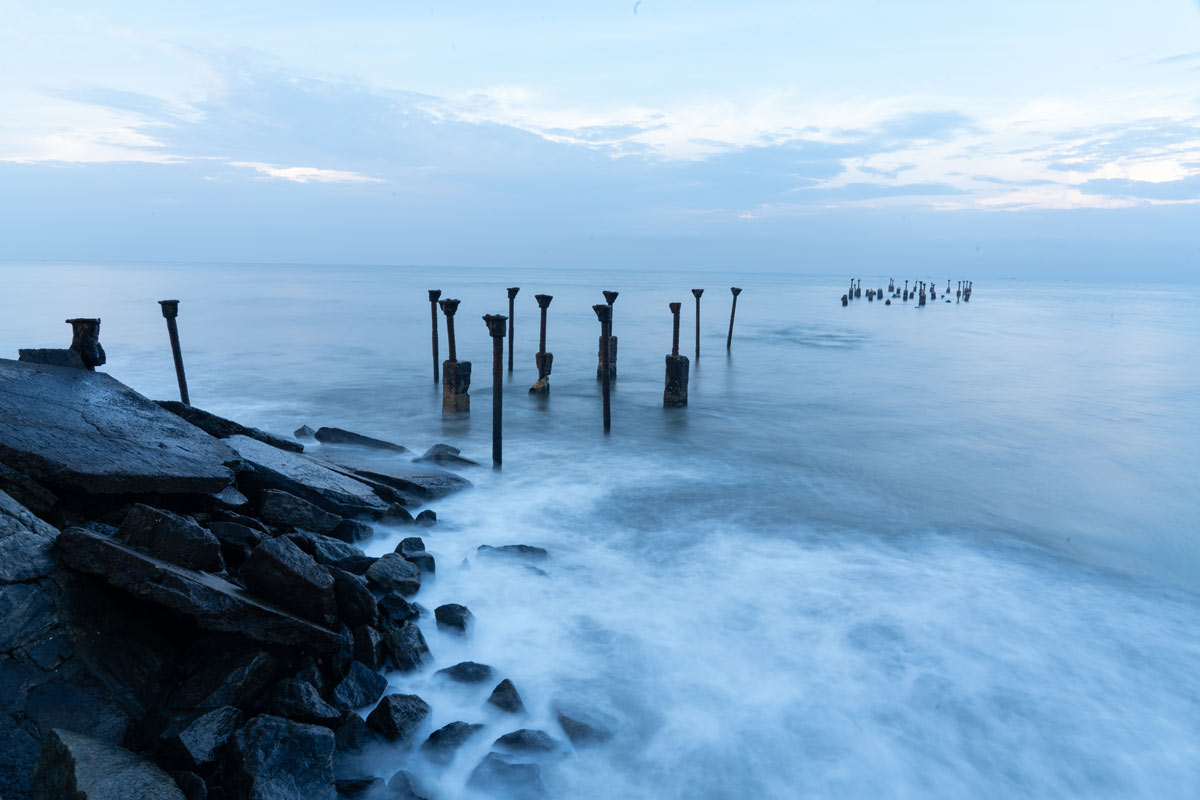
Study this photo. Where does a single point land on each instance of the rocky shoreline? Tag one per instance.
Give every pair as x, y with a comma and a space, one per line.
185, 612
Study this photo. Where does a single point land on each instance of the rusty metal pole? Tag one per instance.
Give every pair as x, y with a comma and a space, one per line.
610, 297
604, 314
512, 323
448, 308
170, 310
733, 310
675, 328
543, 359
434, 294
495, 324
696, 293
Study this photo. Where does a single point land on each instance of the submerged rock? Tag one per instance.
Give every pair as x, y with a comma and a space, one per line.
277, 759
72, 766
453, 616
527, 741
446, 455
340, 436
514, 781
211, 602
427, 518
443, 743
506, 698
404, 786
466, 672
304, 432
398, 716
224, 428
585, 727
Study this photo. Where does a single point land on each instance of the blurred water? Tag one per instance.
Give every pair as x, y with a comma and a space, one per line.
885, 552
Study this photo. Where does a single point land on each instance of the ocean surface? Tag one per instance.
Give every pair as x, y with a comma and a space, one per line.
884, 553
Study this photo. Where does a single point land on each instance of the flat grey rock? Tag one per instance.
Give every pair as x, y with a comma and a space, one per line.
79, 767
341, 436
224, 428
214, 603
80, 430
25, 543
304, 477
421, 481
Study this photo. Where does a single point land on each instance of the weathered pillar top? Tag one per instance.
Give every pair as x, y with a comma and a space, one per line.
434, 294
495, 323
675, 307
697, 293
736, 291
610, 297
512, 291
543, 300
449, 307
603, 312
84, 322
170, 308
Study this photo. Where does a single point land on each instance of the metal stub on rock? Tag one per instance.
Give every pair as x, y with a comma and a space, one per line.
85, 340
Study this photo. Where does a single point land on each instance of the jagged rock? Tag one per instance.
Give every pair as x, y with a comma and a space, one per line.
394, 608
427, 517
280, 571
585, 727
237, 541
277, 759
514, 781
77, 702
51, 356
27, 492
398, 716
282, 508
78, 430
513, 551
26, 614
406, 647
228, 515
304, 432
26, 543
361, 788
271, 468
397, 514
403, 786
299, 700
369, 646
422, 482
230, 497
340, 436
213, 603
171, 537
224, 428
333, 552
351, 531
423, 561
310, 672
453, 616
202, 740
410, 545
443, 743
527, 741
355, 603
506, 698
446, 455
392, 572
191, 784
72, 766
227, 678
466, 672
361, 686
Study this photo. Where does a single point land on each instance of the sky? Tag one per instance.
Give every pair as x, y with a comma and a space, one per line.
1019, 138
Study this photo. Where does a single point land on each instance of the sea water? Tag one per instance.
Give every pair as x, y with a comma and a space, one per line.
884, 552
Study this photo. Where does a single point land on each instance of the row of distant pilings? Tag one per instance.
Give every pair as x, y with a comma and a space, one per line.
455, 375
921, 292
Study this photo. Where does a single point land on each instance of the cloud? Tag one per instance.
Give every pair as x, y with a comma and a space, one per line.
1185, 189
306, 174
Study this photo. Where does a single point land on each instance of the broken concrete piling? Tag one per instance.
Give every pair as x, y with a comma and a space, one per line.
675, 390
456, 375
170, 310
85, 340
495, 324
610, 297
732, 311
696, 293
434, 294
543, 359
845, 300
604, 314
512, 323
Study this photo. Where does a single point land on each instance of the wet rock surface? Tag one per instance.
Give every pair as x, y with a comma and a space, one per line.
506, 698
73, 766
223, 428
526, 740
443, 743
282, 508
280, 571
453, 617
514, 780
341, 436
171, 537
398, 716
278, 759
361, 686
466, 672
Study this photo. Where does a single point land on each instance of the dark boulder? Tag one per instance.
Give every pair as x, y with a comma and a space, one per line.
78, 430
299, 700
410, 545
72, 766
453, 617
392, 573
361, 686
214, 680
513, 551
340, 436
332, 552
370, 646
27, 613
443, 743
427, 517
171, 537
351, 531
27, 492
371, 788
406, 647
445, 455
466, 672
506, 698
394, 608
211, 602
585, 727
26, 543
277, 759
202, 740
513, 781
397, 514
237, 541
289, 511
404, 786
230, 498
355, 603
224, 428
422, 483
304, 432
527, 741
424, 561
398, 716
281, 572
352, 733
191, 784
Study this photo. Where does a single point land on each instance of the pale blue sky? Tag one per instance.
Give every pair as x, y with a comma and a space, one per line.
1010, 138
